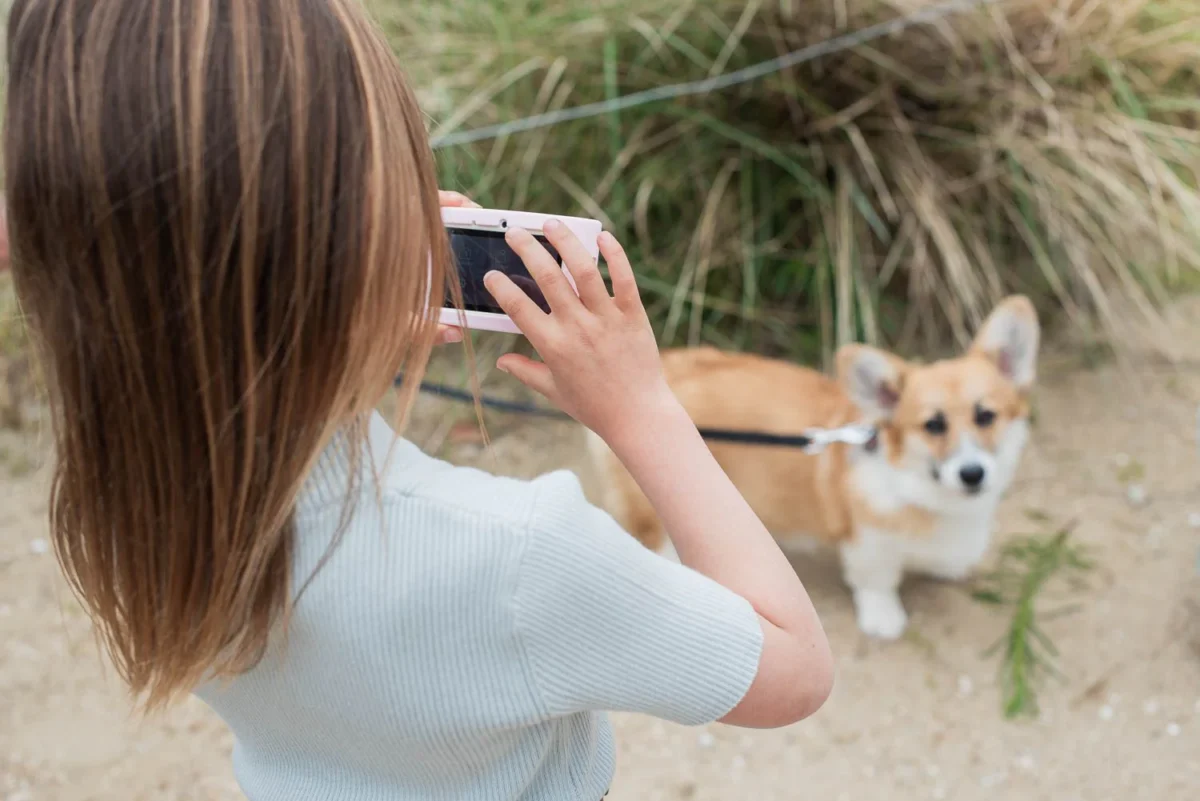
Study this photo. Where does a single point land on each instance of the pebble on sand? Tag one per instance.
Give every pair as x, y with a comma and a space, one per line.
993, 780
1137, 495
1107, 712
39, 547
1173, 729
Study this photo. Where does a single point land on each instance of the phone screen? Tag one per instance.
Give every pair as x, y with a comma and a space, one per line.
476, 253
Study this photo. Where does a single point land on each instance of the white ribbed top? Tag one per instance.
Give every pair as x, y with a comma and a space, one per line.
465, 637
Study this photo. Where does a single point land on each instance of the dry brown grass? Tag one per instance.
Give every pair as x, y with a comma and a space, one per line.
891, 193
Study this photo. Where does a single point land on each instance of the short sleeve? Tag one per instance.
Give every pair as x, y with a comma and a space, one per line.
606, 624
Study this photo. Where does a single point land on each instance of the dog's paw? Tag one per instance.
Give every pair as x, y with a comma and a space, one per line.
880, 614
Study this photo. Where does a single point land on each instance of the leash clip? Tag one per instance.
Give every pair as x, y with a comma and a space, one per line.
857, 434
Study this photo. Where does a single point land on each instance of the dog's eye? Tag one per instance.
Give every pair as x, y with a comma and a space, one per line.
984, 417
936, 425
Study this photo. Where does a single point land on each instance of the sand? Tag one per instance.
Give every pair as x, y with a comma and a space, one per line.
917, 719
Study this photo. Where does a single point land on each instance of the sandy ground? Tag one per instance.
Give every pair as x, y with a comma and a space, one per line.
919, 719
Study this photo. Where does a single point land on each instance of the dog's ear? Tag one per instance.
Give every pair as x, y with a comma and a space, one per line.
872, 378
1009, 337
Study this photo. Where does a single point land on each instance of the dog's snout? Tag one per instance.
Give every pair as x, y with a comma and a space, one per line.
971, 475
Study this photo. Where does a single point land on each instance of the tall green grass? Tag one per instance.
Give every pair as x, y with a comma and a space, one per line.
1027, 654
890, 193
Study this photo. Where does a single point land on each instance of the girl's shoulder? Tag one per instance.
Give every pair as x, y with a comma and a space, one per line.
524, 504
398, 475
421, 534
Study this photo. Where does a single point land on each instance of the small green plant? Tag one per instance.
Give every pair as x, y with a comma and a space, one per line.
1026, 566
1131, 472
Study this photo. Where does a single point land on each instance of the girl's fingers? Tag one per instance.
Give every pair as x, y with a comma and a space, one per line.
544, 269
516, 304
580, 263
455, 200
448, 335
620, 273
534, 375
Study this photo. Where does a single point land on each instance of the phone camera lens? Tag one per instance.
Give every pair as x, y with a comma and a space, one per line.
504, 223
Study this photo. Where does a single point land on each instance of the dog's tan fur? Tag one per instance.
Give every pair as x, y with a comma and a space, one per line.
835, 497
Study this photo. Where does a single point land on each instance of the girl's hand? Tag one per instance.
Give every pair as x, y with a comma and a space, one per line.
447, 334
455, 200
602, 367
600, 358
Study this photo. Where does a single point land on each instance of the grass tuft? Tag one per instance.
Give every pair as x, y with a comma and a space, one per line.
1027, 653
891, 193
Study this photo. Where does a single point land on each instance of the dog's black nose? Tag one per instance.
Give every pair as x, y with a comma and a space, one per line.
971, 475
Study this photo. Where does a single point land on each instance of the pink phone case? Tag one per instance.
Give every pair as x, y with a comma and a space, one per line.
500, 220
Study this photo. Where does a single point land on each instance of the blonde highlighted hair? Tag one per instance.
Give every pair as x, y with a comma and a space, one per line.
222, 216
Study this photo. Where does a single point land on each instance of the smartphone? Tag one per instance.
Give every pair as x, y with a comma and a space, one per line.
478, 247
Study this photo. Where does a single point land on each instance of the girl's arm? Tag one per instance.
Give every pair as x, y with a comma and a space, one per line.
601, 366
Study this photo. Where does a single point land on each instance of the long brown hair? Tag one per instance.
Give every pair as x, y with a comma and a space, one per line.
225, 229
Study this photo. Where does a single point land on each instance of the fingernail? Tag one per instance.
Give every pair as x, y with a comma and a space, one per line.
503, 368
453, 335
551, 225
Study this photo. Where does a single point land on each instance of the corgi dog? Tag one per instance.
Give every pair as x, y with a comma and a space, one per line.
920, 497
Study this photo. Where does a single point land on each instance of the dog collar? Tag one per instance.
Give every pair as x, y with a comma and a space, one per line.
858, 434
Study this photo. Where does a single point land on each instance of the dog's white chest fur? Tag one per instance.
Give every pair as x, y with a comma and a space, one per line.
960, 535
877, 559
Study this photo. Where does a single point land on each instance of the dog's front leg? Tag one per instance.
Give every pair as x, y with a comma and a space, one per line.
874, 567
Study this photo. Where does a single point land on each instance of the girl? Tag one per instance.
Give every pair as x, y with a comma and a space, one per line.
222, 214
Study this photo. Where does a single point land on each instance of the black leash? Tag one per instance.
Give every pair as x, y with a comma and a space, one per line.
534, 410
511, 407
